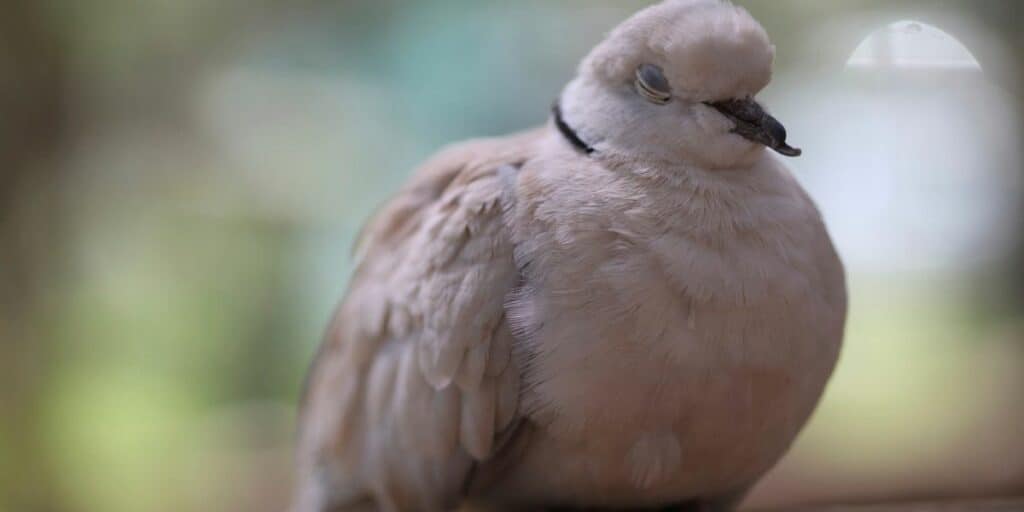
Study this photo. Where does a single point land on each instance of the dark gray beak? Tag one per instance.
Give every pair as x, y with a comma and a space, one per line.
753, 123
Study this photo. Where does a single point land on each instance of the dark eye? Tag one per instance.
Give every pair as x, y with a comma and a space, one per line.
652, 84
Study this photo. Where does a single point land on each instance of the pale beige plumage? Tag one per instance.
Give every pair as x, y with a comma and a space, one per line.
531, 325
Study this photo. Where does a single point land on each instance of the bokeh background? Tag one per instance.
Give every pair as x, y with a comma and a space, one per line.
181, 181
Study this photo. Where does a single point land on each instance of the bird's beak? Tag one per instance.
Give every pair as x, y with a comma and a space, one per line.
753, 123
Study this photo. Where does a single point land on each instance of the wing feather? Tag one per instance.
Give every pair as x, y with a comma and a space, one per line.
415, 378
476, 432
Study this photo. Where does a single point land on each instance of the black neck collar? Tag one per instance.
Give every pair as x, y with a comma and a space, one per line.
568, 132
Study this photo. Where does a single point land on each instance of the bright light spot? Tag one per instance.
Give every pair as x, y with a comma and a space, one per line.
912, 45
911, 152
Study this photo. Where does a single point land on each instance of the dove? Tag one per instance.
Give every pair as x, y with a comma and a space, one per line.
634, 306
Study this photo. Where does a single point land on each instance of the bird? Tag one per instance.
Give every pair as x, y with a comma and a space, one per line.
634, 306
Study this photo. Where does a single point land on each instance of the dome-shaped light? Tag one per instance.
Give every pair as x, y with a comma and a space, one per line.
912, 45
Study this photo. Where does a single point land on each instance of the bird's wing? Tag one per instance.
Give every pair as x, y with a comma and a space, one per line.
414, 380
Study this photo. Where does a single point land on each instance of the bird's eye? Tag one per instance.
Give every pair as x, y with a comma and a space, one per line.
652, 84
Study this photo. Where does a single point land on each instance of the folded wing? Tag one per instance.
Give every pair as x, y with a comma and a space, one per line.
416, 378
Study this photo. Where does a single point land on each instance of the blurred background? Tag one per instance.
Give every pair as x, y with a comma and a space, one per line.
181, 182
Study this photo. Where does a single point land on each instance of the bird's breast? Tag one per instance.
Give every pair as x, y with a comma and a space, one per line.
671, 366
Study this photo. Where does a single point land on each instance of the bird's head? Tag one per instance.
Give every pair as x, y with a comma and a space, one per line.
676, 82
